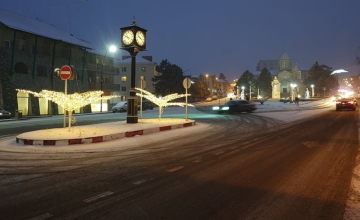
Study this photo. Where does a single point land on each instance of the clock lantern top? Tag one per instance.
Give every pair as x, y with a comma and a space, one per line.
133, 37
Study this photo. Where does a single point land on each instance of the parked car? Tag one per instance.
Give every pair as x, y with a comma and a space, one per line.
234, 106
4, 113
346, 103
120, 107
214, 97
146, 105
209, 99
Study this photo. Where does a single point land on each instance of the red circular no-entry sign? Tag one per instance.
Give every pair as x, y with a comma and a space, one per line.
65, 72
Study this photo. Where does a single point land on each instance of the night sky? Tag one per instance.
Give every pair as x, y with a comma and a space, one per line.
213, 36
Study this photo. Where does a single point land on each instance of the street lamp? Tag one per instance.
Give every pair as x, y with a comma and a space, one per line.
312, 90
112, 49
292, 91
242, 93
207, 81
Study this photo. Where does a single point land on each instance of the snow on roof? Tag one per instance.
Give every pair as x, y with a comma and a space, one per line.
40, 28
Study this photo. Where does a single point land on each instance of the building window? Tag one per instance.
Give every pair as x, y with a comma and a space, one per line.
41, 70
123, 69
285, 90
123, 88
123, 78
7, 45
143, 69
21, 67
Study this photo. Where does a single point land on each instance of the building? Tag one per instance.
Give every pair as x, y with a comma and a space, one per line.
30, 50
289, 79
145, 70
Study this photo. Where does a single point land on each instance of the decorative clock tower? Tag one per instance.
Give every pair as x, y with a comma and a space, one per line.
133, 40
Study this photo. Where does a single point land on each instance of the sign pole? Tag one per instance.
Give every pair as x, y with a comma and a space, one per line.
186, 111
141, 86
64, 108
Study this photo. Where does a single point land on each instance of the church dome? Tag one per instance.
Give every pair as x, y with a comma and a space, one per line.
296, 68
284, 56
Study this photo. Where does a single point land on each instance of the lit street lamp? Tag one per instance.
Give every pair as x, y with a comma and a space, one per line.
292, 91
242, 92
312, 91
112, 49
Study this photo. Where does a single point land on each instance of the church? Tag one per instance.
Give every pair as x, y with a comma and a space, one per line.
287, 80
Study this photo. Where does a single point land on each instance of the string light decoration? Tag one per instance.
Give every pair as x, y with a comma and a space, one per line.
163, 101
72, 101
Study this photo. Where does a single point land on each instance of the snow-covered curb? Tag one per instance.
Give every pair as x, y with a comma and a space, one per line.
100, 132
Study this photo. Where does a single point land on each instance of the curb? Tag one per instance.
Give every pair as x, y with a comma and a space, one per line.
103, 138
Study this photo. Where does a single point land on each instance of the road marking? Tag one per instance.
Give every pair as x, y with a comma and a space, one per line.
219, 152
309, 144
141, 181
98, 196
42, 217
197, 160
175, 169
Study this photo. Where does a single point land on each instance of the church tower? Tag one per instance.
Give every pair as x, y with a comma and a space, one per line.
284, 62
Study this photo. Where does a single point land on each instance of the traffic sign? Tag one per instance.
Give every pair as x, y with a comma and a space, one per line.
65, 72
187, 83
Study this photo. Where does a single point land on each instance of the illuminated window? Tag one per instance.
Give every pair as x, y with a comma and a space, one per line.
123, 78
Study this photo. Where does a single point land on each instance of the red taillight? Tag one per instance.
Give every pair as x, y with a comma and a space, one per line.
351, 102
338, 102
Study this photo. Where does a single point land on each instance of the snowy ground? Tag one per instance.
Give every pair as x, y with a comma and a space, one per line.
271, 109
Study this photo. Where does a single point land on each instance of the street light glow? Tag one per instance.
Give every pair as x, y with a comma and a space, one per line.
112, 48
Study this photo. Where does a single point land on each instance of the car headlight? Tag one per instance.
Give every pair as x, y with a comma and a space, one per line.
225, 108
216, 108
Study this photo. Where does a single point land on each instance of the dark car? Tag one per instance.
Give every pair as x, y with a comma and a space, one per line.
146, 105
346, 103
236, 106
4, 113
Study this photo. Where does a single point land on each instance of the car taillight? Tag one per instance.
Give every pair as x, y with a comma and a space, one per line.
338, 102
351, 102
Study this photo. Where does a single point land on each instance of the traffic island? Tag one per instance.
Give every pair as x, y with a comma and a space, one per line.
100, 132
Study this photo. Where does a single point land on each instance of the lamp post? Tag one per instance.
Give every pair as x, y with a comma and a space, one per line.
207, 81
112, 49
312, 91
292, 91
242, 92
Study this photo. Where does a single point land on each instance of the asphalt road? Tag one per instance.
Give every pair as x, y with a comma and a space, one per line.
247, 167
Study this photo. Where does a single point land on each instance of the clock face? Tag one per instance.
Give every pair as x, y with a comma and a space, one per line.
140, 38
128, 37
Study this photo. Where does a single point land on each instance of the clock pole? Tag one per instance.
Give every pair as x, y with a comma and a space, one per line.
133, 41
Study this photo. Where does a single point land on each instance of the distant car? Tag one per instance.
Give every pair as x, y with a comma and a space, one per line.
4, 113
336, 97
146, 105
120, 107
209, 99
234, 106
346, 103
